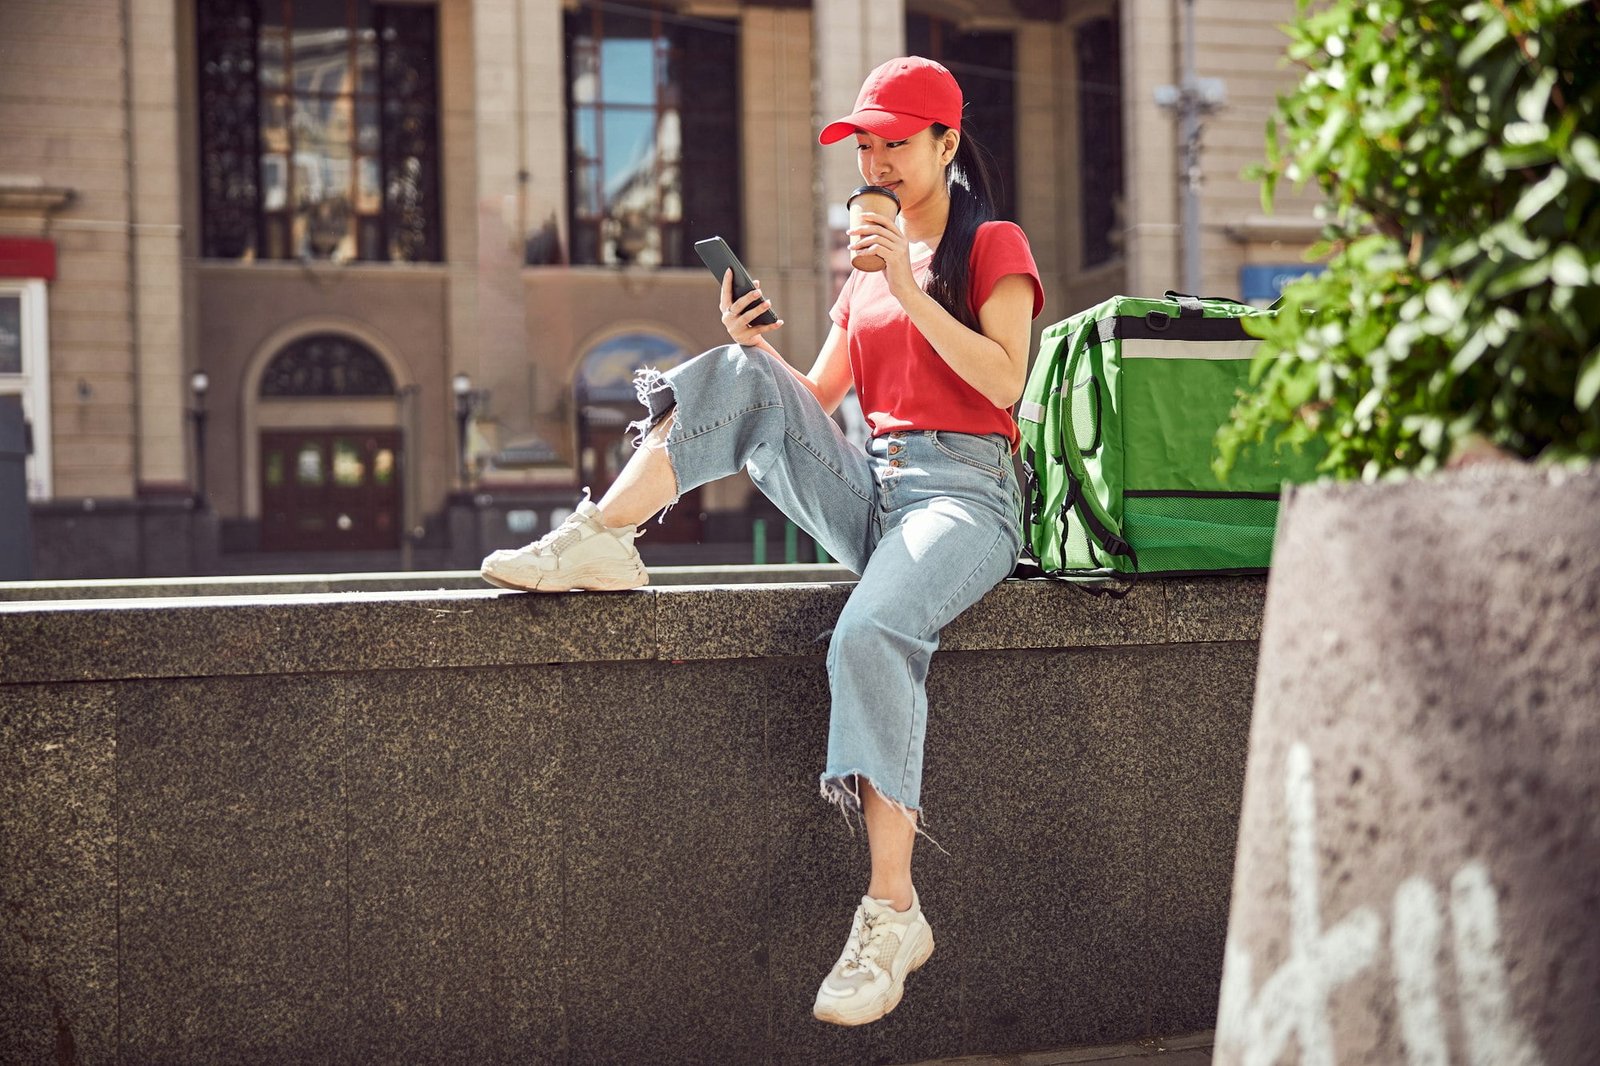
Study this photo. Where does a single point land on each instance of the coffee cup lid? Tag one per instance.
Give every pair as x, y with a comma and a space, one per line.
873, 188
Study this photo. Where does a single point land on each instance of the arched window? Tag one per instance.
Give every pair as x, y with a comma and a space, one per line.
327, 364
606, 375
606, 403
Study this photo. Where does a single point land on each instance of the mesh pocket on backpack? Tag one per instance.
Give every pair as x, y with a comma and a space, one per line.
1076, 553
1212, 532
1086, 416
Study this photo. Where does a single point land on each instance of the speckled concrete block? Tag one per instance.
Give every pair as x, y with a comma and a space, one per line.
233, 871
1419, 868
1203, 609
204, 637
455, 864
1045, 887
1068, 904
58, 874
769, 621
436, 827
664, 953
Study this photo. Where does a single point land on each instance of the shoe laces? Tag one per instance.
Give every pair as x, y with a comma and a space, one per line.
560, 538
866, 940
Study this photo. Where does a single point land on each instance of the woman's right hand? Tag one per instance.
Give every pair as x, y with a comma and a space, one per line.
737, 314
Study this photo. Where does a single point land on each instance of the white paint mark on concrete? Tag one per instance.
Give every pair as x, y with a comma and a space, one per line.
1256, 1028
1414, 943
1493, 1036
1293, 1002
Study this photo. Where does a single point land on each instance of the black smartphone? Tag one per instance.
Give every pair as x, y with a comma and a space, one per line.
718, 258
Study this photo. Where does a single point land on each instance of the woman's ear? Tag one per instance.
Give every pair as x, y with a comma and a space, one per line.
948, 146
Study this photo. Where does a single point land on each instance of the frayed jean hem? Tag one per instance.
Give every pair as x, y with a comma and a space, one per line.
843, 790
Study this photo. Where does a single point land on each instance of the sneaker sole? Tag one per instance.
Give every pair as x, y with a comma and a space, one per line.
836, 1016
580, 580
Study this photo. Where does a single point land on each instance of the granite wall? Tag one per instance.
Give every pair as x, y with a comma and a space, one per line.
477, 826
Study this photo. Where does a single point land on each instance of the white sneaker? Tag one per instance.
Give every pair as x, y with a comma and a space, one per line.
580, 553
869, 978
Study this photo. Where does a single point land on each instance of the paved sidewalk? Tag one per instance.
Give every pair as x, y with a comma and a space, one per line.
1192, 1050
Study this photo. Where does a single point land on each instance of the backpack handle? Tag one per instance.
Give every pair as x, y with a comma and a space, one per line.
1191, 306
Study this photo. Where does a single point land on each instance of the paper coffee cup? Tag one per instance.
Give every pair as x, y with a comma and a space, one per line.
879, 201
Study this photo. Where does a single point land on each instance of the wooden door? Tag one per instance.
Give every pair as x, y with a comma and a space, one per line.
330, 490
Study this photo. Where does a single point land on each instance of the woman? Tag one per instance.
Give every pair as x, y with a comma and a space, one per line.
936, 345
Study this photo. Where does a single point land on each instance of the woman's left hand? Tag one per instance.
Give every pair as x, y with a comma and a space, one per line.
879, 235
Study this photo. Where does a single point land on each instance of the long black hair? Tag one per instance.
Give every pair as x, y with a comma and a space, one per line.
970, 181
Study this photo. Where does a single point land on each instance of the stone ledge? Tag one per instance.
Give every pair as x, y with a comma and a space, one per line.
403, 581
87, 640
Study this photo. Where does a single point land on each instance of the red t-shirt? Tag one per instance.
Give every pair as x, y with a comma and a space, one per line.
901, 381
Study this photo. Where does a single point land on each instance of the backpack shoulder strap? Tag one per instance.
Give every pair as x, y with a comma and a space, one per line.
1097, 522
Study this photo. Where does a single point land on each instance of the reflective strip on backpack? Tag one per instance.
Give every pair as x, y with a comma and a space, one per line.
1030, 411
1140, 348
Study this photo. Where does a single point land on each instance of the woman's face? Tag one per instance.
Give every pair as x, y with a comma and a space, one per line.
912, 168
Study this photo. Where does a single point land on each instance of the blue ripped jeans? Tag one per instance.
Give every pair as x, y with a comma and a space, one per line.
930, 520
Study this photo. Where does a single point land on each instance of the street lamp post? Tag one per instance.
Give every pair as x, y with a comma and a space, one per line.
461, 385
1191, 100
198, 384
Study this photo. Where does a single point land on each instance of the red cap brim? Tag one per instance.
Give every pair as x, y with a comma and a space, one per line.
889, 126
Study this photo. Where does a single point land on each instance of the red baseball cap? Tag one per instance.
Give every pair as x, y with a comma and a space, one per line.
899, 98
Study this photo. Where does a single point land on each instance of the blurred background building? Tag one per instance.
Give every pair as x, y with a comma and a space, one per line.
292, 285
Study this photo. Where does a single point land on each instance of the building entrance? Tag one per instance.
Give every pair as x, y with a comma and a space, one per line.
331, 454
330, 490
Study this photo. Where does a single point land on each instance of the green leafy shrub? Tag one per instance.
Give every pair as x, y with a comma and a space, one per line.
1458, 147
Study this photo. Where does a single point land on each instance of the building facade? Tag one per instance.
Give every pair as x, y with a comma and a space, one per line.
287, 284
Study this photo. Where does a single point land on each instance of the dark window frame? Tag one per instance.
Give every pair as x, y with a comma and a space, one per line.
695, 82
326, 364
1101, 163
975, 57
405, 223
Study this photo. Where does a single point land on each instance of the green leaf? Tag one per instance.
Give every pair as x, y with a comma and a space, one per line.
1532, 101
1585, 152
1527, 134
1470, 352
1492, 34
1540, 196
1467, 131
1588, 381
1568, 267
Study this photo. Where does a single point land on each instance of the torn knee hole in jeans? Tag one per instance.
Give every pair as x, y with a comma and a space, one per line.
660, 399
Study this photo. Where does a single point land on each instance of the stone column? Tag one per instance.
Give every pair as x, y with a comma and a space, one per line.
155, 213
541, 377
777, 136
1150, 58
852, 37
459, 132
521, 183
1047, 161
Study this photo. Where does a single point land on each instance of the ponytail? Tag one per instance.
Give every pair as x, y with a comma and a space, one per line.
968, 178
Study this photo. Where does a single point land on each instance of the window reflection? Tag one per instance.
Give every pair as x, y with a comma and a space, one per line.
274, 469
383, 467
637, 82
348, 469
308, 465
10, 334
318, 129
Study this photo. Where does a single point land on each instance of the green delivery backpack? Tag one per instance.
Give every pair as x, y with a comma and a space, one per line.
1117, 424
